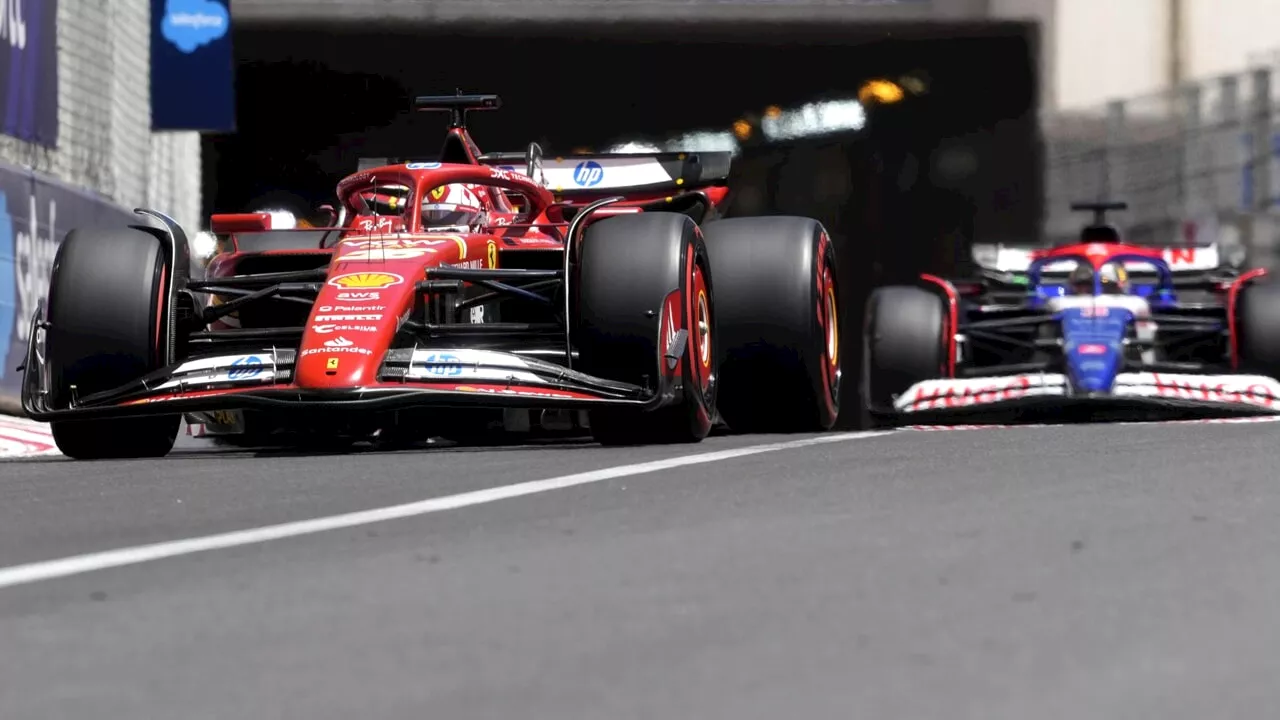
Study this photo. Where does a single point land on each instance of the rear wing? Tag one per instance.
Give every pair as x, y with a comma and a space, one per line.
622, 173
605, 173
1180, 258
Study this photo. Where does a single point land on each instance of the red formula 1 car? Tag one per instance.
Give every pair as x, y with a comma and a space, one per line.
448, 295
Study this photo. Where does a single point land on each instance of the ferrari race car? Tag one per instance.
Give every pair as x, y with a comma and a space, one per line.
1097, 329
448, 297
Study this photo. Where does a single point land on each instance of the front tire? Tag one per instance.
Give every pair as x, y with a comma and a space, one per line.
1258, 329
902, 346
638, 274
106, 300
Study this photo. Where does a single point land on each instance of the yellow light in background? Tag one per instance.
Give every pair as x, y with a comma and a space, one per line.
773, 112
881, 91
742, 129
581, 151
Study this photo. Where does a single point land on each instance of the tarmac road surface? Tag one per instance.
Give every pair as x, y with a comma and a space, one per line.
1097, 571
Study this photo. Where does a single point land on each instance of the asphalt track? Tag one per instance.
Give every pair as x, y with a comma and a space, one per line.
1100, 571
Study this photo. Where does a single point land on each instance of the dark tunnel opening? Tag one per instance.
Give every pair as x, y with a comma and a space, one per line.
908, 193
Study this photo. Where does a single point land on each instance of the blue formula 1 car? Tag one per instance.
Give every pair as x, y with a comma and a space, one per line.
1096, 329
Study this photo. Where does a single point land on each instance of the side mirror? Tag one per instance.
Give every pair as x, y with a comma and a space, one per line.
533, 165
230, 223
329, 213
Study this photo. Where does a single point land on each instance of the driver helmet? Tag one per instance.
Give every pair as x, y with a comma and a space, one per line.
454, 207
1115, 279
1081, 280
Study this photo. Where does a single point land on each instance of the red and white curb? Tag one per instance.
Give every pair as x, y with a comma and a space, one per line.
20, 437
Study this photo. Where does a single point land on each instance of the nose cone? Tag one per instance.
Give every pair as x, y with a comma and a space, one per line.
1094, 346
1092, 366
352, 324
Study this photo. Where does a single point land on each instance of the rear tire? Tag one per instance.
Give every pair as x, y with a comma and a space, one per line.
779, 305
902, 346
635, 271
106, 296
1258, 329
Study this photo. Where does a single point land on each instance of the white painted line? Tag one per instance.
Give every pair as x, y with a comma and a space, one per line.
75, 565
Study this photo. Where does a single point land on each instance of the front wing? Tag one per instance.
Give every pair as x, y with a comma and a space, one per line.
1233, 394
408, 378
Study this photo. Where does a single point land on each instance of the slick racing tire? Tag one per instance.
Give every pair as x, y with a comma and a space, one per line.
1258, 329
106, 299
902, 345
636, 274
778, 309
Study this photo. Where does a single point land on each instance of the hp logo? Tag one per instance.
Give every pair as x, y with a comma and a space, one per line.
588, 173
443, 365
246, 367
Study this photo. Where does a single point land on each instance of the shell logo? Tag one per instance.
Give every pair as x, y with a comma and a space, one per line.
366, 280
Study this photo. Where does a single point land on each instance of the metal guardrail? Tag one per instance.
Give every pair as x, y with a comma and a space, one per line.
1197, 164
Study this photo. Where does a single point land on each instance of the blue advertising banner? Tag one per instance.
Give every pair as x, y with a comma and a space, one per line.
35, 215
29, 70
192, 69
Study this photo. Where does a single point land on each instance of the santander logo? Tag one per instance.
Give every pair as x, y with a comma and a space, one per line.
338, 342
